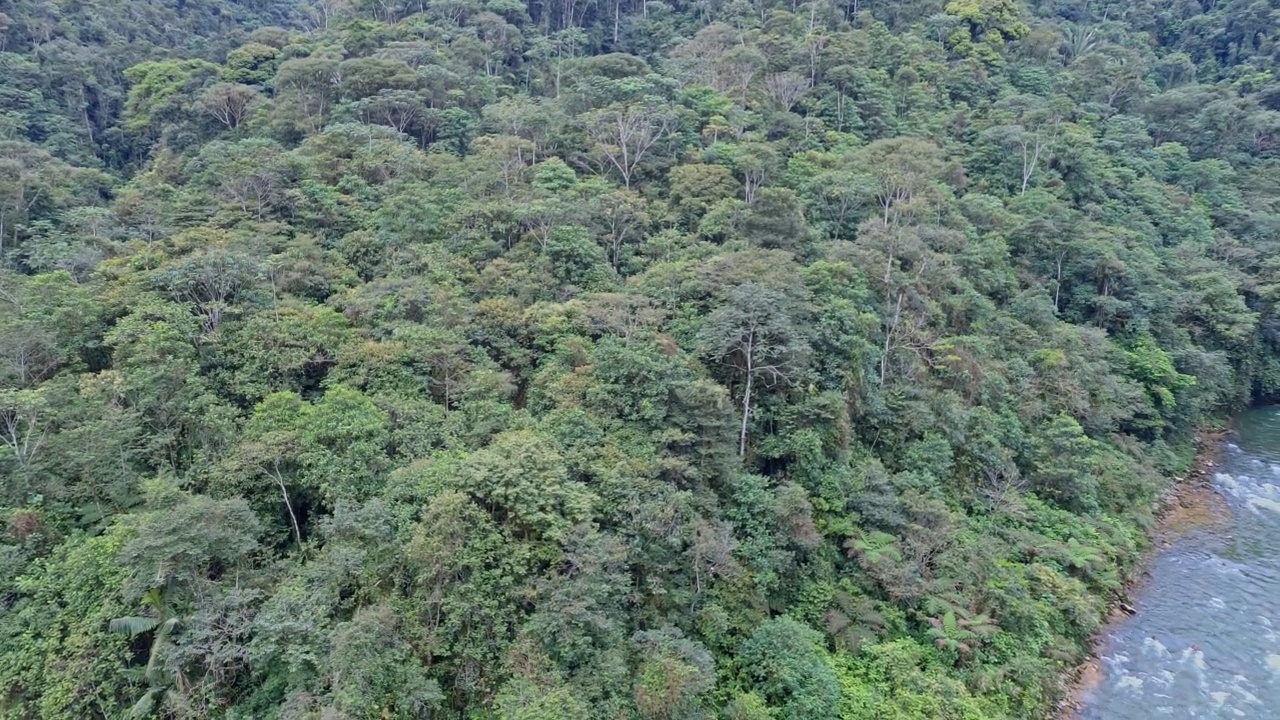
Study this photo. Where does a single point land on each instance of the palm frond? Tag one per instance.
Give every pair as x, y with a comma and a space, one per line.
133, 626
145, 705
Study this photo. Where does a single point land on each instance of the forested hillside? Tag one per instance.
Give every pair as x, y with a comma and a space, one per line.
610, 359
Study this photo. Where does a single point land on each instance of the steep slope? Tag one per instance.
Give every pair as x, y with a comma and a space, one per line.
609, 360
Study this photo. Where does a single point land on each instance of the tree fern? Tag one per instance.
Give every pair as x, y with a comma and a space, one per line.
853, 620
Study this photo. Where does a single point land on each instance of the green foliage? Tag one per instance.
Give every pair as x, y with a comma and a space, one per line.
523, 479
791, 669
519, 702
558, 360
158, 90
902, 680
1153, 367
372, 670
59, 657
984, 27
250, 64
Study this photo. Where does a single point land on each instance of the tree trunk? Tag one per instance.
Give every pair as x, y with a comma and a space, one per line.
293, 519
1057, 290
890, 329
1029, 164
746, 395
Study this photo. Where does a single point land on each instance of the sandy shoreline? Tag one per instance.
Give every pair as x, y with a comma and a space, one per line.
1190, 503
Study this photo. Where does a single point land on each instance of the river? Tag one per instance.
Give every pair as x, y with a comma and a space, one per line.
1205, 642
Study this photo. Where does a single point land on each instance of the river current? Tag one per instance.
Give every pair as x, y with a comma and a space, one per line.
1205, 642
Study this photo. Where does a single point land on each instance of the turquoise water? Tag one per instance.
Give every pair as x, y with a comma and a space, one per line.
1205, 642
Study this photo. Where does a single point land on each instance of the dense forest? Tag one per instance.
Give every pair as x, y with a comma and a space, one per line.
610, 359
